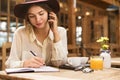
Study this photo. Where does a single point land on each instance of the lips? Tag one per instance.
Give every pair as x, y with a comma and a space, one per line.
38, 24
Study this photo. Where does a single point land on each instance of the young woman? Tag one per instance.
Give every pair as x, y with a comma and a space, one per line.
40, 41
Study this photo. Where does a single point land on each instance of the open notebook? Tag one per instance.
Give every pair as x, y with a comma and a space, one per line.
24, 70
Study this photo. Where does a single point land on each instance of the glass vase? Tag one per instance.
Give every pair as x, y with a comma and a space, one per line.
106, 58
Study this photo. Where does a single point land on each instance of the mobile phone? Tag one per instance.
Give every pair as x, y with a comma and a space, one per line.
48, 15
50, 23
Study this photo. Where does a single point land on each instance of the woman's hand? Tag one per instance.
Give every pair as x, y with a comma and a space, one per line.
53, 21
53, 26
34, 62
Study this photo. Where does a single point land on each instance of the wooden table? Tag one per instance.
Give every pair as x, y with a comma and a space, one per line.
105, 74
115, 61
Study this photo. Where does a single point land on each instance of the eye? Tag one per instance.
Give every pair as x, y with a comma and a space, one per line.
31, 16
41, 13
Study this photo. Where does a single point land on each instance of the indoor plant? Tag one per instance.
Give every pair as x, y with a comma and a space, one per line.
104, 43
105, 52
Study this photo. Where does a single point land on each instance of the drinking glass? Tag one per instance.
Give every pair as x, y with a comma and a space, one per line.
96, 62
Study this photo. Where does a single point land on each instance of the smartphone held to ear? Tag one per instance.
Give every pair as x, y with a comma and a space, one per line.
49, 17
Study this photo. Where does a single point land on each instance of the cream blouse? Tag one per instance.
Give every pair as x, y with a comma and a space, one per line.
25, 41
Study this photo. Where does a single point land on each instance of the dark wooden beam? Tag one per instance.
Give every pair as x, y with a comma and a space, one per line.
113, 2
97, 3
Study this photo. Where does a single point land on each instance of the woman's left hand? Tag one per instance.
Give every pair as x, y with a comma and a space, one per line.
53, 26
53, 21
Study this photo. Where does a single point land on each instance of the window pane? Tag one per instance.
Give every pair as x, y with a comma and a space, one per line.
3, 23
12, 24
4, 6
3, 37
12, 4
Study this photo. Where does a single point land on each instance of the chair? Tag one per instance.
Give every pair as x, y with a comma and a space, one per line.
115, 50
5, 52
91, 49
73, 51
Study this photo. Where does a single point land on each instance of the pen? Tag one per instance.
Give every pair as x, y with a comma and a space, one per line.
33, 53
36, 55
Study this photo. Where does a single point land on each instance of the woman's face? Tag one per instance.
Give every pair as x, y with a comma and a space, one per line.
37, 16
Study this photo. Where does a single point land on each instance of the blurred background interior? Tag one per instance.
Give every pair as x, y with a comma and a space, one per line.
84, 20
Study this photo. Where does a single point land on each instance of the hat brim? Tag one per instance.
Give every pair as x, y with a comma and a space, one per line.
20, 9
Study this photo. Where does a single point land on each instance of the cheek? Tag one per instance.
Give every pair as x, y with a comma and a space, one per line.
45, 20
32, 22
46, 17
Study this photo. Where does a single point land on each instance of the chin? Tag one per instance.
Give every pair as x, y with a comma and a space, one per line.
39, 27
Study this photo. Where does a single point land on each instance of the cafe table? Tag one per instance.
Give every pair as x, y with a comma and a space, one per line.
63, 74
115, 61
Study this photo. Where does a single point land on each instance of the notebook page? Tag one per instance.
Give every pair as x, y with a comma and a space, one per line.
24, 70
45, 69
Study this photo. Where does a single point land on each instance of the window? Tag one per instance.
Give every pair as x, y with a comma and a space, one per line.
8, 22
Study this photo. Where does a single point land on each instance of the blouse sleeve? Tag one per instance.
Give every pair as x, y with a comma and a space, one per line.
60, 50
13, 60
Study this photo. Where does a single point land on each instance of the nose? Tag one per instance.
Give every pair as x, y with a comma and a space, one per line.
38, 18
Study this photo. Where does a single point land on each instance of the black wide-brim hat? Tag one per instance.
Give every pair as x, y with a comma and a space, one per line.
20, 9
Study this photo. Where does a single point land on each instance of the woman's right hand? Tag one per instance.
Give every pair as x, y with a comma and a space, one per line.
34, 62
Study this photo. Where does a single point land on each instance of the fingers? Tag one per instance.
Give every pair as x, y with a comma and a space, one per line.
52, 16
38, 60
34, 62
34, 65
53, 21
